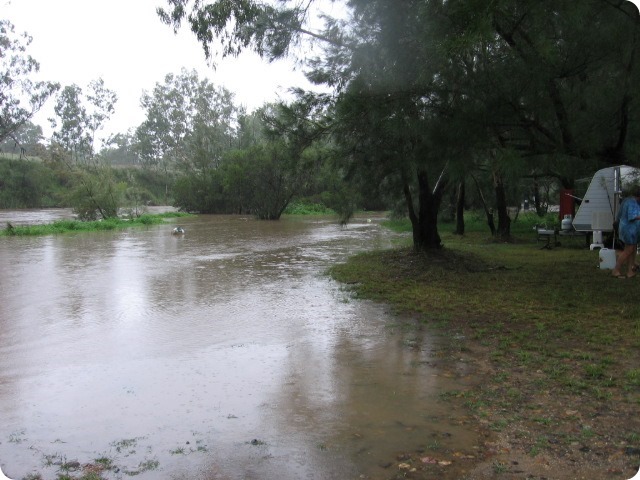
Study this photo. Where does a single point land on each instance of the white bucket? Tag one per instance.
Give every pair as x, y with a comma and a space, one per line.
607, 258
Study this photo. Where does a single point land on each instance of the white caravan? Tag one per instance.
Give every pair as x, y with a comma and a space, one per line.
601, 202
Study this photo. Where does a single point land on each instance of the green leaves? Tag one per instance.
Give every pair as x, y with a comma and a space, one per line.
78, 122
236, 25
189, 124
20, 96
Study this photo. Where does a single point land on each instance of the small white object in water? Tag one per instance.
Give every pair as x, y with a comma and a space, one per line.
368, 220
176, 231
3, 476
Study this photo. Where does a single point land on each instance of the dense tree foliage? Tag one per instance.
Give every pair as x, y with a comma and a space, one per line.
550, 86
28, 140
25, 184
20, 96
430, 90
33, 183
78, 119
118, 149
189, 123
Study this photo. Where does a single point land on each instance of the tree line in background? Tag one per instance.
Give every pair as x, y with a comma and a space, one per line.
432, 107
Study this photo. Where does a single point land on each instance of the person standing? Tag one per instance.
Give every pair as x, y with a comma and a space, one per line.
629, 232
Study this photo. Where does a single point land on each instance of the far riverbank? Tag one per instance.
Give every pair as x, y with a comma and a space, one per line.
43, 216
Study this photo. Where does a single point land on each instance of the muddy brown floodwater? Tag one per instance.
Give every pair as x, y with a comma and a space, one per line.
225, 353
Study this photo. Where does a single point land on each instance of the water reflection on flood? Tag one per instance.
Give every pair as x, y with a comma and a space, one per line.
223, 353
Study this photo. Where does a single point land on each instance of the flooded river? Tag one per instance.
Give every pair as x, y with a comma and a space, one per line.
224, 353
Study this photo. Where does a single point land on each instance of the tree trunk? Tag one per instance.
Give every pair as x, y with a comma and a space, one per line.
425, 222
491, 222
488, 211
460, 209
536, 199
504, 222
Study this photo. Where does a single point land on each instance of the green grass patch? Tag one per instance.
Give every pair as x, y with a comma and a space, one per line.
398, 225
558, 334
70, 226
475, 222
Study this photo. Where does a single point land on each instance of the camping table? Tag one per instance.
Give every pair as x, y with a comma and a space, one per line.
547, 234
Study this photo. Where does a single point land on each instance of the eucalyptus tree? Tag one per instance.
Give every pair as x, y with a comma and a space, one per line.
231, 26
296, 137
118, 149
78, 117
238, 185
278, 160
160, 138
70, 123
309, 126
261, 174
260, 179
250, 128
189, 123
101, 102
94, 192
21, 97
26, 140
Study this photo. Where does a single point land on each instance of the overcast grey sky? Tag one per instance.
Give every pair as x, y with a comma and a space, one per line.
125, 43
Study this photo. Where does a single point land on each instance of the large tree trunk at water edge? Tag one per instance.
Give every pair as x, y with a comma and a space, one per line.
425, 222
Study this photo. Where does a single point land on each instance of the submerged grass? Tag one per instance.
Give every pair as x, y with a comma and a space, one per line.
553, 336
67, 226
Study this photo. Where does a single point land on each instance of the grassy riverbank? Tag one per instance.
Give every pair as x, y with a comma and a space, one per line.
554, 343
66, 226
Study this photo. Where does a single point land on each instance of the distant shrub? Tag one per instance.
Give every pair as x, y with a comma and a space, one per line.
304, 208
